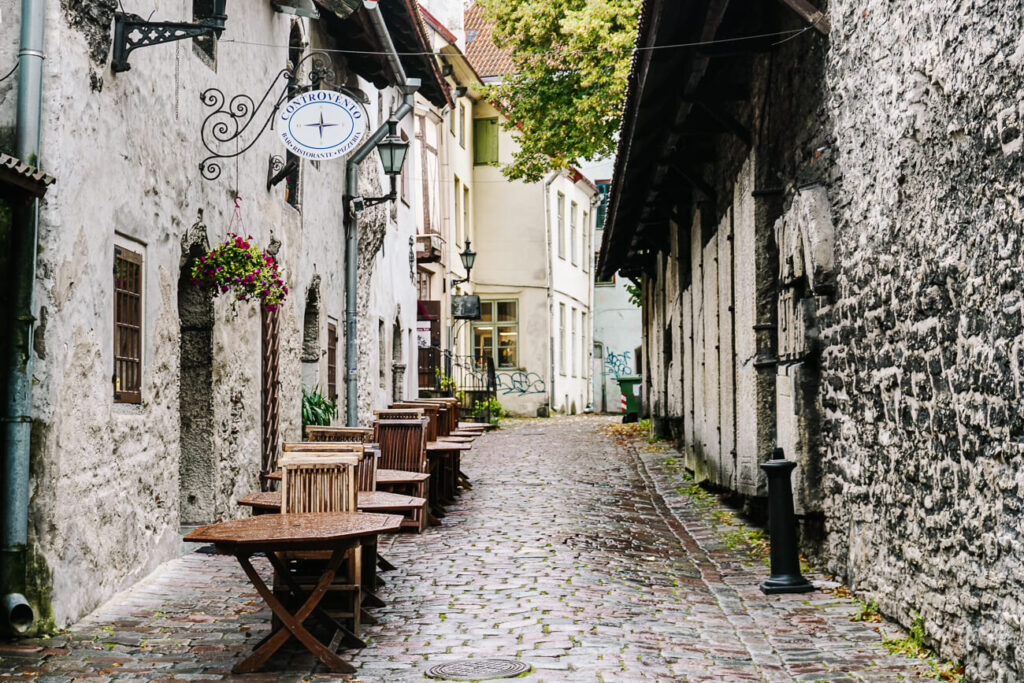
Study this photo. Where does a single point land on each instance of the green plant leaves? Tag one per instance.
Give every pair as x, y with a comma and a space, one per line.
317, 409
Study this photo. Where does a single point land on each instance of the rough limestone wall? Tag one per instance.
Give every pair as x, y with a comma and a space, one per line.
924, 368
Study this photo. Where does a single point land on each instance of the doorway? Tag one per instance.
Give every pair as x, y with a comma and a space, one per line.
197, 461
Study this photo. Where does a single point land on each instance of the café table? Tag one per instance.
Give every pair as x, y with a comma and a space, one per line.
445, 459
334, 532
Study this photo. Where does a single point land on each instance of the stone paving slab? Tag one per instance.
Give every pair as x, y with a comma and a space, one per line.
572, 552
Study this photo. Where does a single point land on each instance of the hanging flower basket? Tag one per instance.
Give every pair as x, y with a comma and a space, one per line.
239, 266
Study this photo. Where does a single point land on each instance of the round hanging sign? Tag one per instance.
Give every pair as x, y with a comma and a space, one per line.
321, 124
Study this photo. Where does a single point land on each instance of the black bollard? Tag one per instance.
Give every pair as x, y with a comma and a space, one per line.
786, 576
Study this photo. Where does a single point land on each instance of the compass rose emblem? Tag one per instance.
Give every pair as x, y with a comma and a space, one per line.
321, 124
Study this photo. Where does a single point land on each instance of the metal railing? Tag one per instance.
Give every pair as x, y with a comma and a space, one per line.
445, 374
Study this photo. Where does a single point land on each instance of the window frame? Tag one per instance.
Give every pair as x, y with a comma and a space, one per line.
598, 282
560, 219
561, 339
478, 141
572, 343
585, 262
332, 360
573, 212
128, 395
494, 324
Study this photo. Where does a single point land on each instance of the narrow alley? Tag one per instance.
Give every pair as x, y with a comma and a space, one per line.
583, 554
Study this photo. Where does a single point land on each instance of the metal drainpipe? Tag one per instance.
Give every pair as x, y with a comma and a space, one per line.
16, 611
552, 345
408, 86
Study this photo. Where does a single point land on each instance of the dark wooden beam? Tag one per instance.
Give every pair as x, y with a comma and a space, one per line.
728, 123
810, 14
696, 182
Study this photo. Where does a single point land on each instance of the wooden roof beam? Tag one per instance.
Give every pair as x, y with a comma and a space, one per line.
810, 14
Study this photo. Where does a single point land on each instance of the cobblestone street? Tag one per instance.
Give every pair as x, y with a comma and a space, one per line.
584, 558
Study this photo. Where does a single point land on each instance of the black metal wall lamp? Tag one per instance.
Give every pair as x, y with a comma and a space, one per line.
132, 32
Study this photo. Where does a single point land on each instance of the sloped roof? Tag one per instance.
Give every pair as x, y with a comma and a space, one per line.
405, 26
488, 59
15, 173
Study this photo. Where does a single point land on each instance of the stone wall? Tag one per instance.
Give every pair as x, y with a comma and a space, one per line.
923, 363
112, 482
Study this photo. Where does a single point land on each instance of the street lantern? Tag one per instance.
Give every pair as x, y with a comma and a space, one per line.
392, 151
468, 257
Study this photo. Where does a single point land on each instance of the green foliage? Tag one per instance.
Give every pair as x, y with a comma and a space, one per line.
444, 382
490, 410
913, 646
634, 294
571, 60
867, 611
240, 266
316, 408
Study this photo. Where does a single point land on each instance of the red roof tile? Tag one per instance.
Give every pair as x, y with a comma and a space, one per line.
486, 57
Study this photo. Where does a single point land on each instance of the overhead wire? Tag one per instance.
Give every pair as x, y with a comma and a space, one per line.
10, 73
791, 33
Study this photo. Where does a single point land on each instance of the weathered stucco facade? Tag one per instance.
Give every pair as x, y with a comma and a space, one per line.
111, 482
832, 264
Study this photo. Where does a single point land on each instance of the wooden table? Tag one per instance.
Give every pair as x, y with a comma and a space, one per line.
445, 461
334, 532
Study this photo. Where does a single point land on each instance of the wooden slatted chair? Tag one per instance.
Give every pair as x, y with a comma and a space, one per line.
404, 467
336, 434
322, 481
399, 414
366, 472
429, 410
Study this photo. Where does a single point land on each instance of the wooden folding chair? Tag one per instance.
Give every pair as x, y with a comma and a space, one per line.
322, 481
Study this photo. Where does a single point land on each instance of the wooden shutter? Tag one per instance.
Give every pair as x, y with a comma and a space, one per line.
485, 141
127, 326
332, 361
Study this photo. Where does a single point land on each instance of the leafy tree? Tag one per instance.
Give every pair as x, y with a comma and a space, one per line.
565, 95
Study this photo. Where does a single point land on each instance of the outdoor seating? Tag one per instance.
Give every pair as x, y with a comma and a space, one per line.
323, 481
344, 434
404, 463
336, 533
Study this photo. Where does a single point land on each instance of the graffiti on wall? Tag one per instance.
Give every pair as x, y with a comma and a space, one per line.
521, 383
618, 364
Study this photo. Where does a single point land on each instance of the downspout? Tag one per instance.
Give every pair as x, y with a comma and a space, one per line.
16, 611
408, 87
551, 294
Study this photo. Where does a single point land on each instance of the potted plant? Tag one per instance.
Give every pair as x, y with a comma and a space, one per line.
239, 266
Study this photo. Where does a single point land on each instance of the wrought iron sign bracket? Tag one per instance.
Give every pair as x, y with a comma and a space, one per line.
132, 32
235, 119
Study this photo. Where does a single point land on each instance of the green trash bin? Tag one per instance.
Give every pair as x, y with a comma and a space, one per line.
629, 387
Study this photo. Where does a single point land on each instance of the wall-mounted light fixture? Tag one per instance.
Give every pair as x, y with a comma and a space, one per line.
468, 257
132, 32
392, 150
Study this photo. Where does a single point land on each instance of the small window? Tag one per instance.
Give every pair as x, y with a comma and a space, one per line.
423, 285
485, 141
465, 214
462, 126
572, 347
459, 236
332, 361
127, 326
451, 118
573, 208
561, 339
598, 281
205, 46
560, 207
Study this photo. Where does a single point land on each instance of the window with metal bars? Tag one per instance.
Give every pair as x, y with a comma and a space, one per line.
127, 326
332, 361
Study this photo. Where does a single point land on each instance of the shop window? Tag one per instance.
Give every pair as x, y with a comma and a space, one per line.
496, 334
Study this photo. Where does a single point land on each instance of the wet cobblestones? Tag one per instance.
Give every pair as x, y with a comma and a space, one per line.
572, 553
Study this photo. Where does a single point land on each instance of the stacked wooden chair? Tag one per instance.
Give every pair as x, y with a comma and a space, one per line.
404, 467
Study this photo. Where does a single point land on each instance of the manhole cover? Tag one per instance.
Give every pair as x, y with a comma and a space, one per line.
478, 669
